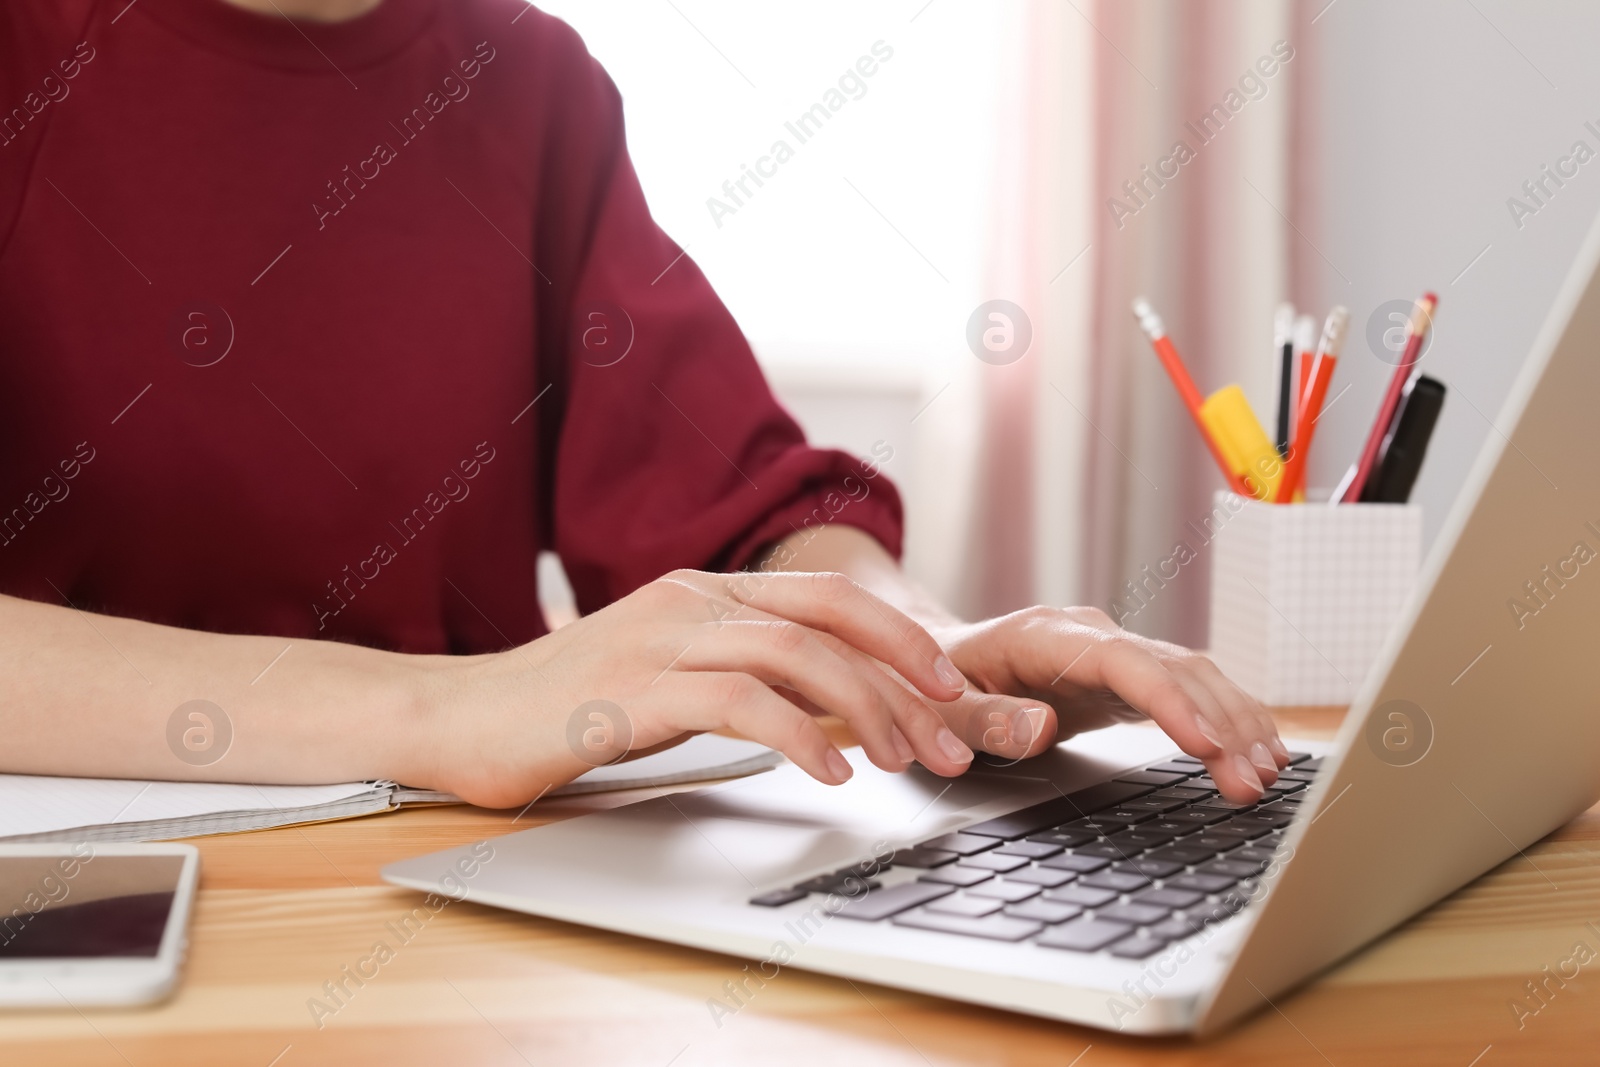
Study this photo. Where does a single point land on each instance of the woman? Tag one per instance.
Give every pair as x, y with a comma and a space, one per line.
321, 318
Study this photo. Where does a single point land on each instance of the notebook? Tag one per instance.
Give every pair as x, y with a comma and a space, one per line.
36, 808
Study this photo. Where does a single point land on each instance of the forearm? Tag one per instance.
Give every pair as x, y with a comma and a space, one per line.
93, 695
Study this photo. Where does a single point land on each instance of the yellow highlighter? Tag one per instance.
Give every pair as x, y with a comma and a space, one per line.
1249, 451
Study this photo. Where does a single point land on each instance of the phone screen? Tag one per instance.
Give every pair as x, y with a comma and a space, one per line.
85, 905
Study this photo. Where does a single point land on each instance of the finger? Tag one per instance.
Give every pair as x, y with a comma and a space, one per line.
836, 679
1136, 675
1011, 727
836, 604
1240, 705
708, 700
902, 747
1239, 730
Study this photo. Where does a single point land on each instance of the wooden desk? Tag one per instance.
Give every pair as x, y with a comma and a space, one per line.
280, 912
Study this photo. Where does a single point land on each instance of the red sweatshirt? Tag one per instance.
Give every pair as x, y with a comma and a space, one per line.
327, 330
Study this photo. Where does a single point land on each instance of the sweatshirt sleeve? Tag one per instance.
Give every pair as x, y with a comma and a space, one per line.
664, 447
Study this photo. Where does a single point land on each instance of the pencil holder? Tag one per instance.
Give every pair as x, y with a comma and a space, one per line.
1303, 595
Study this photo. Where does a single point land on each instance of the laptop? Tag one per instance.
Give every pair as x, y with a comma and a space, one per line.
1105, 882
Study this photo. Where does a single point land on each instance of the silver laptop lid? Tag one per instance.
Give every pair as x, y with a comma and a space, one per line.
1478, 730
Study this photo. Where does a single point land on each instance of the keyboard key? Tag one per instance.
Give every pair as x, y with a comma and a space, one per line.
1233, 901
1096, 826
1033, 850
1157, 805
1004, 890
1203, 782
1167, 826
923, 858
1137, 947
1307, 765
1174, 767
1181, 854
1227, 807
1138, 840
1151, 777
1295, 774
1121, 881
1169, 898
846, 882
1041, 876
1126, 816
1071, 861
1186, 758
1201, 883
961, 876
1081, 895
778, 897
1239, 833
1229, 868
992, 861
865, 869
1270, 820
882, 903
1287, 786
1176, 928
1252, 854
1133, 914
960, 844
1301, 759
1062, 809
1148, 867
1214, 842
1044, 911
1208, 913
994, 927
1182, 792
1107, 850
1086, 935
1199, 817
972, 907
1251, 867
1064, 838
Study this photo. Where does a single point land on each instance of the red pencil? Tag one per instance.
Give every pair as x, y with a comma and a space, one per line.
1311, 404
1152, 326
1416, 333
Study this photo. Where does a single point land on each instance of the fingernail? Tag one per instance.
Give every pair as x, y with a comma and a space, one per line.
1026, 725
952, 747
902, 747
839, 766
1278, 750
1261, 756
948, 674
1207, 731
1247, 773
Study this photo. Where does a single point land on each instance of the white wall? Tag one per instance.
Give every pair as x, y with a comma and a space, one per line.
1435, 113
854, 269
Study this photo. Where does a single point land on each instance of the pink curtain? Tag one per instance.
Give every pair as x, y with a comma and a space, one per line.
1210, 247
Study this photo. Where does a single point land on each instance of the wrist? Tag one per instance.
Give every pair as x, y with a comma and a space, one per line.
416, 717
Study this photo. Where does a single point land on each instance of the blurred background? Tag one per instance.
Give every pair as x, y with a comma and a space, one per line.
998, 152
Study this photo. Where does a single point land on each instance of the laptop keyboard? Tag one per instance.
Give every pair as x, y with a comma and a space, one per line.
1125, 867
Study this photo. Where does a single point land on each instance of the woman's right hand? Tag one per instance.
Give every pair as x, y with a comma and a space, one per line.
689, 653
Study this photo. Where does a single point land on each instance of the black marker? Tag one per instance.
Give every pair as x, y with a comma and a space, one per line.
1407, 443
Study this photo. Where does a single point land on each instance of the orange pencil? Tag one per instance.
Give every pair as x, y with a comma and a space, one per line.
1152, 326
1311, 403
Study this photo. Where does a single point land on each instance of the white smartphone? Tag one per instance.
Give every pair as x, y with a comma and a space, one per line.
93, 924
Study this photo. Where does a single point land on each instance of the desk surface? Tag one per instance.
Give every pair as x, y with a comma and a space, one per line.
281, 911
